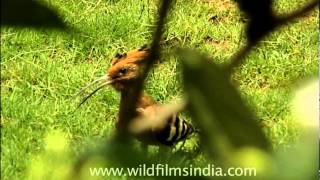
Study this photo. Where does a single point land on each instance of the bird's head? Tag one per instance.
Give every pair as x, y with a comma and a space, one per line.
125, 69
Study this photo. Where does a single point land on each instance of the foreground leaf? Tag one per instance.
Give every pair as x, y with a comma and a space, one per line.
225, 120
28, 13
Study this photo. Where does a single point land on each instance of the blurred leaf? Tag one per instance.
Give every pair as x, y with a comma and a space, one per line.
305, 105
300, 161
252, 157
261, 17
305, 109
29, 13
55, 161
112, 153
217, 107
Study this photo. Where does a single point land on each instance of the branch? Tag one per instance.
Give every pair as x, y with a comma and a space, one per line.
127, 109
239, 57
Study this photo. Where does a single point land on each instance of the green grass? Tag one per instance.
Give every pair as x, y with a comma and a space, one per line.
41, 70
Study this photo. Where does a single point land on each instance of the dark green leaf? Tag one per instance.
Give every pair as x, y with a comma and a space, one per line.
217, 107
29, 13
261, 17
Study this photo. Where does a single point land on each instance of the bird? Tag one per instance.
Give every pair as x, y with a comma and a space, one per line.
125, 69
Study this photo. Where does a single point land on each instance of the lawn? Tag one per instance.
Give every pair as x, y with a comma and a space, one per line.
41, 70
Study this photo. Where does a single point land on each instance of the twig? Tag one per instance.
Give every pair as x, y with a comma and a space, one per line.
239, 57
284, 19
127, 109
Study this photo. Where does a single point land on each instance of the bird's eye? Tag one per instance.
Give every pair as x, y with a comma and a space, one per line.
123, 70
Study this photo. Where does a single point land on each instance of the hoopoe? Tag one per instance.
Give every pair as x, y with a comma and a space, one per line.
125, 70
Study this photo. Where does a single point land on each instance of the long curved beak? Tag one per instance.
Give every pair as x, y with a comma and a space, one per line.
102, 81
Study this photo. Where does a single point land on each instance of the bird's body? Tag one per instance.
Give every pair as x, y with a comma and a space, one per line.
149, 129
161, 132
